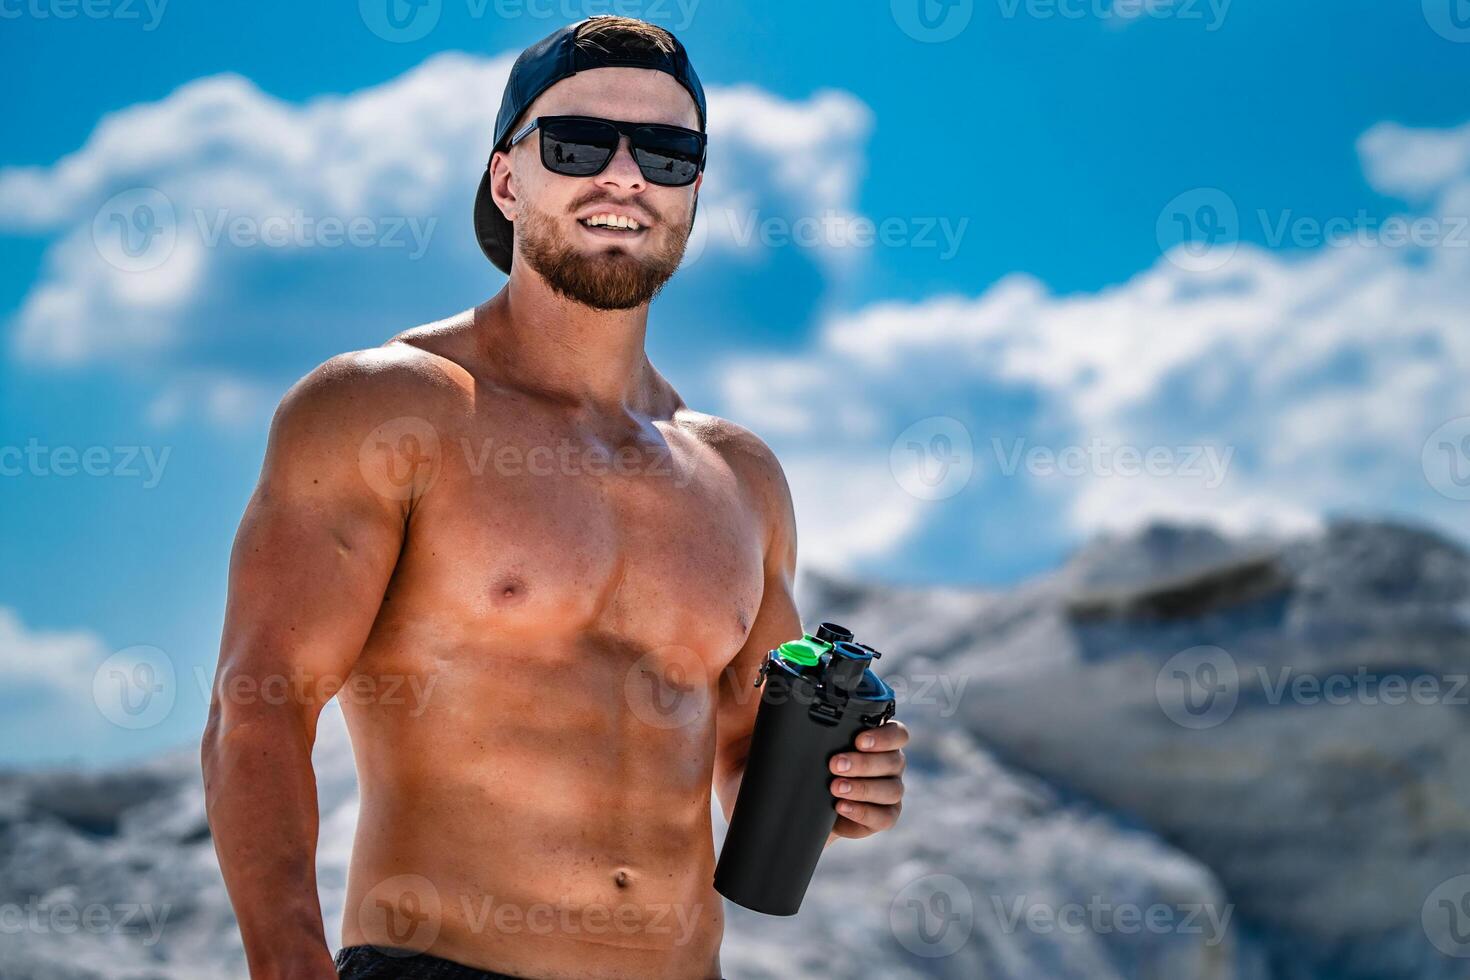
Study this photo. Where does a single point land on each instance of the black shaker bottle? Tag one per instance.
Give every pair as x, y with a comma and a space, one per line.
819, 694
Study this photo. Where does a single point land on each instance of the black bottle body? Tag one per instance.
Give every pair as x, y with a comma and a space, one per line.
785, 809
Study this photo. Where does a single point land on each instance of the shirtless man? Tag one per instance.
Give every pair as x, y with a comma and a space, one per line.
540, 586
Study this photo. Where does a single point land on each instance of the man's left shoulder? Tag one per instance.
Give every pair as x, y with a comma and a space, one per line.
733, 441
752, 461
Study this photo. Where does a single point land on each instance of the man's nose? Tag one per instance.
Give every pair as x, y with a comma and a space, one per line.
622, 170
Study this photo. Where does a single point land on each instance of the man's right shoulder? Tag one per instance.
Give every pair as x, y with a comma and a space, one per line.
366, 388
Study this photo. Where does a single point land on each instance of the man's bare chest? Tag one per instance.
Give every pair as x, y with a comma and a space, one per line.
539, 528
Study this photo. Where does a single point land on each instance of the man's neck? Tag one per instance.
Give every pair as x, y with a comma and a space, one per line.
594, 360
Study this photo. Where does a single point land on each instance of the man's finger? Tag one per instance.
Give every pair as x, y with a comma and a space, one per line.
886, 791
864, 765
871, 816
845, 828
885, 738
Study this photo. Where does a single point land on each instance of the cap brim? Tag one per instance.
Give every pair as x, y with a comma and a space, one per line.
495, 233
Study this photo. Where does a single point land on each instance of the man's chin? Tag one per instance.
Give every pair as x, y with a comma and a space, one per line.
609, 280
606, 275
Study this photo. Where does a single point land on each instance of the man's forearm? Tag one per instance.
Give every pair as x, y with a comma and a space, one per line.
260, 794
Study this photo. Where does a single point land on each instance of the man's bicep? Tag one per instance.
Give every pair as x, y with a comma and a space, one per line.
312, 559
776, 621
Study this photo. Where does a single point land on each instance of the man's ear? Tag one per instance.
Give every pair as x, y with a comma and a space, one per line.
502, 186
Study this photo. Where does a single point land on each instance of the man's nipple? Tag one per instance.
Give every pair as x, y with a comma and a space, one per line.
510, 589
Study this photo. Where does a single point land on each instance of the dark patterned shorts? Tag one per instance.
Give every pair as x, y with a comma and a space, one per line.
371, 963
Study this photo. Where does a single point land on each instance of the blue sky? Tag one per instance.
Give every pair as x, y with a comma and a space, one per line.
1034, 162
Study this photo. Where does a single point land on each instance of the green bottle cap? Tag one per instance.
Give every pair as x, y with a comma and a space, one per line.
806, 651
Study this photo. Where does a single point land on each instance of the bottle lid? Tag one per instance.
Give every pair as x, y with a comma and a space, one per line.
832, 633
806, 651
852, 651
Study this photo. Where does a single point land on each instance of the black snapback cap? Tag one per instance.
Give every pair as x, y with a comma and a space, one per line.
542, 65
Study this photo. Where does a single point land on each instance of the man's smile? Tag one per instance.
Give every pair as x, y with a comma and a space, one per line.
613, 225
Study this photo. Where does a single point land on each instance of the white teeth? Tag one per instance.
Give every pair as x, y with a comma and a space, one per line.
613, 221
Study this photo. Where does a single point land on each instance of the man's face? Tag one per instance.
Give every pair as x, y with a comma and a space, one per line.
603, 268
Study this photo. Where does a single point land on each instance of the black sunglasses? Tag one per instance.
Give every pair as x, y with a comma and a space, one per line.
583, 146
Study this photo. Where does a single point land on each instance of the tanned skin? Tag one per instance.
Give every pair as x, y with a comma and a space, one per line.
545, 656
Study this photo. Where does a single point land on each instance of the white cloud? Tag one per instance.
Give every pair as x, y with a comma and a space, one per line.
59, 662
1415, 163
847, 512
1322, 373
148, 268
1326, 371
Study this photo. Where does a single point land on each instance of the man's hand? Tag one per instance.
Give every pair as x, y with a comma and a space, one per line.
869, 782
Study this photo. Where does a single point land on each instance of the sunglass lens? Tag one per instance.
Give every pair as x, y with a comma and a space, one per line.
667, 157
576, 148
